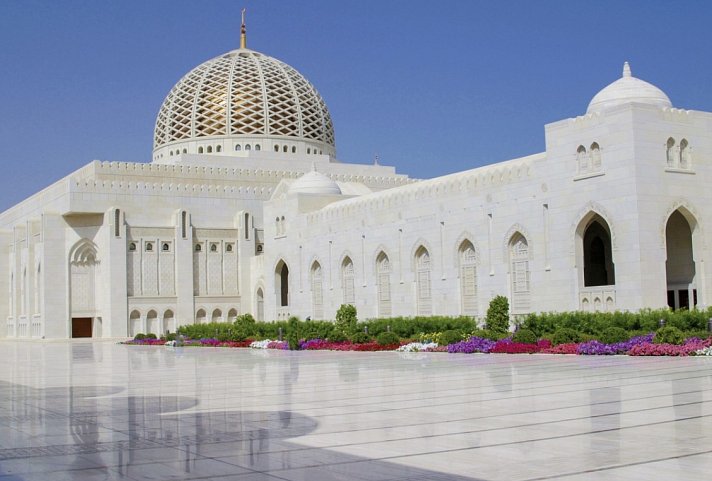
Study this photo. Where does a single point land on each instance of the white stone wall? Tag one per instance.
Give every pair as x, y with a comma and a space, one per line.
525, 220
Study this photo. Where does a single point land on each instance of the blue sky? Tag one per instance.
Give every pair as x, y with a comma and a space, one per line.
433, 87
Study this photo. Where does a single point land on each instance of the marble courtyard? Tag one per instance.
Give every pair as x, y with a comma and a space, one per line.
83, 410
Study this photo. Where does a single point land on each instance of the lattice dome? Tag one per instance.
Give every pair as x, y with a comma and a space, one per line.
245, 94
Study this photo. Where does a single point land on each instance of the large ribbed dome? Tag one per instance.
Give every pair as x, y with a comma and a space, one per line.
244, 96
628, 89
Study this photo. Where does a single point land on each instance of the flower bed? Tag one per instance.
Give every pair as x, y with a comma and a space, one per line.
690, 347
568, 348
636, 346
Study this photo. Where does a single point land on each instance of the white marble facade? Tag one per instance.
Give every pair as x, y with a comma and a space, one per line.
246, 209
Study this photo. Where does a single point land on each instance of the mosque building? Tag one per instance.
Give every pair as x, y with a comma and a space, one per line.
246, 209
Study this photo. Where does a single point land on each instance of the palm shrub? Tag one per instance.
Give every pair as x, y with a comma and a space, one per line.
498, 314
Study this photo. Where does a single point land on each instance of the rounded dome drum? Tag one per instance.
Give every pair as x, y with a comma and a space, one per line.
628, 89
315, 183
244, 96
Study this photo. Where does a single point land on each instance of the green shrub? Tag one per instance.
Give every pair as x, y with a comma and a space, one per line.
346, 319
669, 335
171, 336
525, 336
566, 335
387, 338
450, 336
491, 335
411, 327
498, 314
150, 335
317, 330
338, 336
613, 334
641, 322
293, 333
698, 334
140, 336
429, 337
360, 338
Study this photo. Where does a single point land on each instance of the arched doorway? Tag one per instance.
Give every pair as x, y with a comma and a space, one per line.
134, 323
680, 262
169, 321
152, 323
595, 264
281, 287
83, 285
598, 268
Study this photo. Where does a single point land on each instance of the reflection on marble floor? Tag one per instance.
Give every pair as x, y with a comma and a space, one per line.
96, 410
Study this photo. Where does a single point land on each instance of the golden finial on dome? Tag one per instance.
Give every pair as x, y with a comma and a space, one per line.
243, 32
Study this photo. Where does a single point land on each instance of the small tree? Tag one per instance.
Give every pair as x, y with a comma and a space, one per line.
498, 314
293, 333
243, 327
346, 319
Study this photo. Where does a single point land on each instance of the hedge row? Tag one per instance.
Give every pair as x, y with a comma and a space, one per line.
596, 323
582, 325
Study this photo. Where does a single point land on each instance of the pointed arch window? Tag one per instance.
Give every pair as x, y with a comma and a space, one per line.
685, 159
468, 278
595, 154
317, 292
670, 152
383, 270
422, 282
581, 160
347, 281
519, 273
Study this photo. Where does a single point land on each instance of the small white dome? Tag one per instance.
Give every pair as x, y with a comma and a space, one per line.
625, 90
315, 183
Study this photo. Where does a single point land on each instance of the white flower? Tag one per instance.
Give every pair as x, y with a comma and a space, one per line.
704, 352
260, 344
417, 346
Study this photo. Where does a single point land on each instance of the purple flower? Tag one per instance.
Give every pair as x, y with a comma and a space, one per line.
597, 348
473, 344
